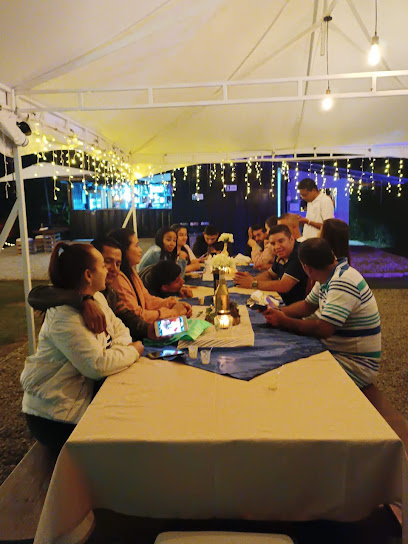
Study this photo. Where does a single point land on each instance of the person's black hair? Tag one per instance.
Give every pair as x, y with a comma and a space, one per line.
123, 237
68, 263
258, 226
308, 184
164, 273
316, 253
337, 233
158, 240
272, 221
100, 242
281, 228
211, 230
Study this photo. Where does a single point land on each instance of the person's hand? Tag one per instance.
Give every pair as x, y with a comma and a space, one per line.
274, 317
180, 308
183, 255
243, 279
250, 234
303, 220
94, 316
151, 335
189, 309
252, 243
138, 346
172, 301
186, 292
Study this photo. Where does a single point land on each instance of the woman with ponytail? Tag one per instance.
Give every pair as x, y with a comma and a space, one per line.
60, 379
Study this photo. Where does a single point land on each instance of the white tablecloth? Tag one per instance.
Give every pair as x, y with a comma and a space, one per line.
166, 440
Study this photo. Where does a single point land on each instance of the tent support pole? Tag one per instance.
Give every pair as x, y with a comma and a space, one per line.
126, 221
8, 225
22, 218
132, 188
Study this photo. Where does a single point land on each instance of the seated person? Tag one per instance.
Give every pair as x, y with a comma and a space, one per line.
291, 220
337, 233
44, 297
164, 248
348, 323
184, 250
164, 279
207, 243
260, 251
133, 295
59, 380
270, 222
286, 276
257, 234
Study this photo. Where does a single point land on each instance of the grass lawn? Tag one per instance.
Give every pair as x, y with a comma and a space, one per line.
13, 326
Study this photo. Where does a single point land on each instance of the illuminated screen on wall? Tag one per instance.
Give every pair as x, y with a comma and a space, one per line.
154, 192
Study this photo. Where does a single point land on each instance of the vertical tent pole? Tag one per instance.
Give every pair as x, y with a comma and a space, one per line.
132, 187
279, 191
22, 218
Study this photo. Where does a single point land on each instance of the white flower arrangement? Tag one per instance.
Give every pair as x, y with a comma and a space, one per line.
222, 261
226, 237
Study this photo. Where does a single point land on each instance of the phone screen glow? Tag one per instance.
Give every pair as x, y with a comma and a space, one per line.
170, 326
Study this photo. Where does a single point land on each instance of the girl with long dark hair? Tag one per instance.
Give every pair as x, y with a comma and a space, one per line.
164, 248
133, 295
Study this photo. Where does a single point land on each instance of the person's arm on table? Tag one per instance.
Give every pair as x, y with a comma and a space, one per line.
308, 327
265, 281
299, 309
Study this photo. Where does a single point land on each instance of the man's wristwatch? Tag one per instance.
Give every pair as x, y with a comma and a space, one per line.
87, 297
254, 284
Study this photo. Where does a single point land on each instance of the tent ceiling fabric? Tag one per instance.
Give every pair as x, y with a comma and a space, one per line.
122, 44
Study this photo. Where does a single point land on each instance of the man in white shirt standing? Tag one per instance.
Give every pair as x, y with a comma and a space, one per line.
319, 207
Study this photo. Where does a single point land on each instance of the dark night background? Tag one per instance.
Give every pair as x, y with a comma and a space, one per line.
379, 217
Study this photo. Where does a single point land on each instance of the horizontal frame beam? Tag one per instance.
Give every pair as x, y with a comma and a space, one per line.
150, 103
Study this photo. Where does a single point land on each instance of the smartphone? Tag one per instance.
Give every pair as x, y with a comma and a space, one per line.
170, 326
165, 353
260, 307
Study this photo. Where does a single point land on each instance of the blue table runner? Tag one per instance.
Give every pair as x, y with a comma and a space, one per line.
273, 348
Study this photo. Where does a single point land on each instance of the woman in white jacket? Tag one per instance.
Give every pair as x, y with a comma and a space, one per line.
59, 380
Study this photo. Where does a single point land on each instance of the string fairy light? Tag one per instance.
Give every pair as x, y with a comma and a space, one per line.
233, 173
336, 171
272, 187
387, 173
372, 165
223, 178
258, 172
360, 181
400, 172
296, 180
247, 182
198, 170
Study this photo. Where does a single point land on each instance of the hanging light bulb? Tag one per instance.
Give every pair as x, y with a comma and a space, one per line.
374, 55
327, 102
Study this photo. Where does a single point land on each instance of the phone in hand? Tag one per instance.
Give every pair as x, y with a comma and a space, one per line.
170, 326
164, 353
259, 307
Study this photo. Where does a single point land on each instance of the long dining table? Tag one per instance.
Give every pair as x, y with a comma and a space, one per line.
167, 440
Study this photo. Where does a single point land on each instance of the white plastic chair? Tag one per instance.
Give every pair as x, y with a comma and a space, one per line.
220, 537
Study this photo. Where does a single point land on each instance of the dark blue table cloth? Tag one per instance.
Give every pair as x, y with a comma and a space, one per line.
273, 348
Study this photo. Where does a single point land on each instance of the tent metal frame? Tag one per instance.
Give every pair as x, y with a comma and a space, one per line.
149, 101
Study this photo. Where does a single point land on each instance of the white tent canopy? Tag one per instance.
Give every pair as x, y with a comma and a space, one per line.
166, 62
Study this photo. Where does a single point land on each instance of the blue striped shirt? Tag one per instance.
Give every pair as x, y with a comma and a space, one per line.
346, 301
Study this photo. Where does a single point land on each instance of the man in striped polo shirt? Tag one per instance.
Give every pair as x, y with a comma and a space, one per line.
348, 323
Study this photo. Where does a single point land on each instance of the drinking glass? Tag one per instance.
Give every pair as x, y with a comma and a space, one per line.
193, 352
205, 355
